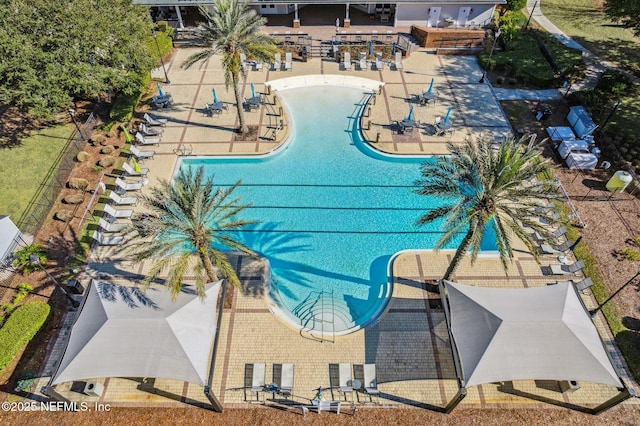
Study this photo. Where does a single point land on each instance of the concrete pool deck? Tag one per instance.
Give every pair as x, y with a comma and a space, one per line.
409, 344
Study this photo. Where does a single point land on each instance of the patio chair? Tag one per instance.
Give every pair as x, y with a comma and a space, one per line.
257, 373
107, 240
108, 209
111, 226
548, 249
243, 61
345, 378
283, 377
122, 201
141, 140
554, 235
362, 62
370, 379
149, 131
346, 61
581, 285
130, 171
153, 121
567, 269
287, 61
141, 155
379, 63
128, 186
398, 61
277, 62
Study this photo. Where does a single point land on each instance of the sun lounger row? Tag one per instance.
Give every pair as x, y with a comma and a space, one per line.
282, 382
278, 65
379, 64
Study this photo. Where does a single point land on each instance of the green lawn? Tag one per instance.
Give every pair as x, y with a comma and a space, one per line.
25, 166
589, 26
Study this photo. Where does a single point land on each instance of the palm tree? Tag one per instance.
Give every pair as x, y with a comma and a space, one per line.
500, 188
189, 221
231, 29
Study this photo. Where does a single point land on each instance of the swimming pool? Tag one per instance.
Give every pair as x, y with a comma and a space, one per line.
332, 211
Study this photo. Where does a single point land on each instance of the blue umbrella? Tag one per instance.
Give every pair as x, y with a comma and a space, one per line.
430, 86
446, 117
393, 48
215, 96
160, 92
253, 91
410, 116
370, 48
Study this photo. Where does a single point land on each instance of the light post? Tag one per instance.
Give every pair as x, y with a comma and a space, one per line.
72, 114
35, 259
155, 38
594, 312
493, 46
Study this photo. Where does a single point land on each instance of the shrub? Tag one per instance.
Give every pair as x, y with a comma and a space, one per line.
83, 156
515, 4
73, 198
23, 258
98, 139
629, 254
20, 328
107, 161
63, 215
78, 183
98, 168
615, 84
106, 150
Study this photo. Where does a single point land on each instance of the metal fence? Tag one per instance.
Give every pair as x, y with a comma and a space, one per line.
55, 179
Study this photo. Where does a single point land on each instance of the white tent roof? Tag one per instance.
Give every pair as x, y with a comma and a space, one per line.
535, 333
123, 332
9, 232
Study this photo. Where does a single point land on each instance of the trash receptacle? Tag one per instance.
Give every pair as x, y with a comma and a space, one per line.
75, 287
304, 54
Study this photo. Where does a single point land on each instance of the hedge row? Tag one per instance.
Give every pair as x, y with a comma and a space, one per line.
20, 328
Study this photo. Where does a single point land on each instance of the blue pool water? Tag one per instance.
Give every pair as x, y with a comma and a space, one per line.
332, 212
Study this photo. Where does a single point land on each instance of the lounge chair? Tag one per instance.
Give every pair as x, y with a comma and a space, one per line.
398, 61
149, 131
122, 201
581, 285
141, 140
370, 379
128, 186
277, 62
554, 235
111, 226
108, 240
379, 63
328, 406
363, 61
567, 269
130, 171
243, 61
548, 249
257, 373
153, 121
283, 378
345, 378
346, 61
108, 209
287, 61
141, 155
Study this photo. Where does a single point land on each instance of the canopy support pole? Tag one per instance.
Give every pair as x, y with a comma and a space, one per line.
462, 392
215, 403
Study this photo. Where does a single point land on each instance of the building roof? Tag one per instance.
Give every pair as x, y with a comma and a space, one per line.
536, 333
124, 332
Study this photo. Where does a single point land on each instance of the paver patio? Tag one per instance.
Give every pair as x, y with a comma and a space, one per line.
410, 343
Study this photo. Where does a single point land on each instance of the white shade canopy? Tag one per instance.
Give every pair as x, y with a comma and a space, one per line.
123, 332
540, 333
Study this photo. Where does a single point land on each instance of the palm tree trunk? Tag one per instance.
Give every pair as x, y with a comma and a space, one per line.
460, 252
208, 266
236, 91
